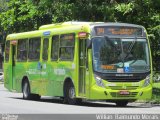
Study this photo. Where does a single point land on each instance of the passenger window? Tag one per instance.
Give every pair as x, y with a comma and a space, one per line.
7, 51
66, 53
67, 47
55, 47
22, 50
34, 49
45, 48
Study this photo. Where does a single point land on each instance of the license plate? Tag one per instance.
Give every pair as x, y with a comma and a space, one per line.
124, 92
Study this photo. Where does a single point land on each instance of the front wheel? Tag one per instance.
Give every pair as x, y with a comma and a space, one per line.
70, 95
121, 103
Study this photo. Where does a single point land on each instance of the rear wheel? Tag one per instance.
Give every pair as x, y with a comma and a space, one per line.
26, 91
121, 103
27, 94
35, 97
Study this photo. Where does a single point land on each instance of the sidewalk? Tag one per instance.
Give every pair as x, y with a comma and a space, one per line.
1, 82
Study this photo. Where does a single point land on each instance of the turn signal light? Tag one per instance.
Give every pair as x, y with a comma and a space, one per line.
82, 35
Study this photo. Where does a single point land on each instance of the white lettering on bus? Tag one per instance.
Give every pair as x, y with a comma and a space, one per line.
59, 71
35, 72
44, 66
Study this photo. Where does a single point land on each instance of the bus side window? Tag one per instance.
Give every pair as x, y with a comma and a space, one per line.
7, 51
55, 48
34, 49
22, 50
45, 48
67, 47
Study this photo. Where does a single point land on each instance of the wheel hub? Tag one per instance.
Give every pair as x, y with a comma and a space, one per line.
71, 93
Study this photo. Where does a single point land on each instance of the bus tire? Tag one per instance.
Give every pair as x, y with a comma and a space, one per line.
70, 95
26, 91
121, 103
35, 97
27, 94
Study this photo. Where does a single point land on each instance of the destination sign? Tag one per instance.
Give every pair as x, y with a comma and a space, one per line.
68, 37
118, 30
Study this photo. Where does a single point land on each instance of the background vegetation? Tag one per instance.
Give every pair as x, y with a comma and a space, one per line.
26, 15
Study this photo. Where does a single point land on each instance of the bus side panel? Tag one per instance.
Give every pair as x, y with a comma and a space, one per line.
34, 72
8, 75
50, 87
62, 71
47, 78
58, 72
20, 70
53, 85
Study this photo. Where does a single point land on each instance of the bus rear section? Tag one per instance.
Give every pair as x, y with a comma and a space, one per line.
120, 64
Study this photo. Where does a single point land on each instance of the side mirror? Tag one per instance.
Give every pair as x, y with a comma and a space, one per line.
107, 38
89, 44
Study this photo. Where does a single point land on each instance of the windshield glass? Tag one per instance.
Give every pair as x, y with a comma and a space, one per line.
117, 55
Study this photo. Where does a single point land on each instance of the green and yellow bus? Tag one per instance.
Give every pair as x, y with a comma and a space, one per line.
80, 61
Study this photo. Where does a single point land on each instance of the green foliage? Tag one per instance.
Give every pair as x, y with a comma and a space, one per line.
3, 5
125, 8
30, 14
156, 95
25, 15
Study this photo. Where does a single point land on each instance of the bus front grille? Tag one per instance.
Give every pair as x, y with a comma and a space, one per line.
116, 94
121, 87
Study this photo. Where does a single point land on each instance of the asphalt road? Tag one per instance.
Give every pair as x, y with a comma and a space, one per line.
12, 103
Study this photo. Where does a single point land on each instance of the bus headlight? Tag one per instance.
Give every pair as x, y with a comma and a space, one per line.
146, 81
99, 81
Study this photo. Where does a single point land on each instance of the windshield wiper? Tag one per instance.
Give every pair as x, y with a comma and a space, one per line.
130, 48
111, 43
116, 49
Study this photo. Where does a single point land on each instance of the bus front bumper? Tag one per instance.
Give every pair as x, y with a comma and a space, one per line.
99, 93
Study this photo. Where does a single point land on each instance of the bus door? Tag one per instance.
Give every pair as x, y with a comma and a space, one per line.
13, 62
82, 67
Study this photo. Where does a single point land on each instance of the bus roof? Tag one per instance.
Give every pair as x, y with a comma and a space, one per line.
71, 23
24, 35
64, 26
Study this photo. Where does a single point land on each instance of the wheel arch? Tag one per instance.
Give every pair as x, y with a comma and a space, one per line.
68, 80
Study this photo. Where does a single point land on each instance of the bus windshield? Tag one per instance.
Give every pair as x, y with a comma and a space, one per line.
116, 55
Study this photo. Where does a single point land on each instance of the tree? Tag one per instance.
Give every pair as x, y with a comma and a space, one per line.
26, 15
